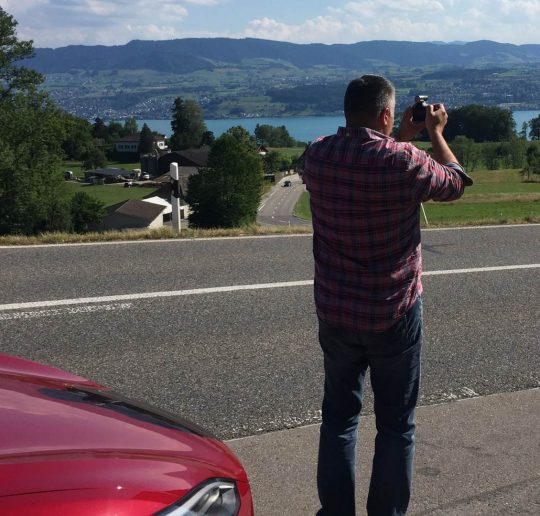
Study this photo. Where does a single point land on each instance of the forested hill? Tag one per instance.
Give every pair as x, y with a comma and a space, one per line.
189, 55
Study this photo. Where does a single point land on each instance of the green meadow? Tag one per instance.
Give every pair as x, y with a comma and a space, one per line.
497, 197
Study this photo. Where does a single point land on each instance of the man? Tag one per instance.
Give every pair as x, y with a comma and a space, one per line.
366, 190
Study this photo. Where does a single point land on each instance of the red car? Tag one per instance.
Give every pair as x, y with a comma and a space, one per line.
71, 447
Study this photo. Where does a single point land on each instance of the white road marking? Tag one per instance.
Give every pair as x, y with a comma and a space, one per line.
150, 295
231, 288
483, 269
63, 311
499, 226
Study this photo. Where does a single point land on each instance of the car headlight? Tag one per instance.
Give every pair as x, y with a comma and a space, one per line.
213, 498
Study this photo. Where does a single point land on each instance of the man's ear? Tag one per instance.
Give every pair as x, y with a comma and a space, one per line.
384, 118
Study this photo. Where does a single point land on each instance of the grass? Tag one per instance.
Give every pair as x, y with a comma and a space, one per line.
154, 234
113, 193
497, 197
289, 152
510, 201
302, 208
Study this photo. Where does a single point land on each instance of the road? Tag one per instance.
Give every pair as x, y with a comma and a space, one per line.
223, 331
278, 207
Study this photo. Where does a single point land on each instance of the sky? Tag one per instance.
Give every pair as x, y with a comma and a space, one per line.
57, 23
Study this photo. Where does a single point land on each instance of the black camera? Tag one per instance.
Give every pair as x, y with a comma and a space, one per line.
419, 108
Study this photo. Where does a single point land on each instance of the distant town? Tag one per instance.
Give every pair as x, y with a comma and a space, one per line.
251, 78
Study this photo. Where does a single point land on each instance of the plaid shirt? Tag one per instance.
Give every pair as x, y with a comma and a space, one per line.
366, 189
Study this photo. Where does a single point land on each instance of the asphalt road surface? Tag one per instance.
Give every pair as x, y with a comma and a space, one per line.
223, 331
277, 209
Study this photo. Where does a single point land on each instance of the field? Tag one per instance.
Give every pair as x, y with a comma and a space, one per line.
289, 152
497, 197
111, 194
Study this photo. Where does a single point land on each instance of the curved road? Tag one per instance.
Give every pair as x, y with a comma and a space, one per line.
277, 208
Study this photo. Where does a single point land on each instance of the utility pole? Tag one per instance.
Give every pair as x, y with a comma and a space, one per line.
175, 196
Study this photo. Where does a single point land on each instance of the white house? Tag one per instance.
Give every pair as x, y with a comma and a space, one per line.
131, 143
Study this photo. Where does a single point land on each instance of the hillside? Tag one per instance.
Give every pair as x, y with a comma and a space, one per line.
250, 77
188, 55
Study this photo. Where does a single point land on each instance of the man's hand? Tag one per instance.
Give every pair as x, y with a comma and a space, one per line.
436, 118
407, 128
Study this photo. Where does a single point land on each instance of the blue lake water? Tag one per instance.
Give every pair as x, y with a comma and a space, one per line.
302, 128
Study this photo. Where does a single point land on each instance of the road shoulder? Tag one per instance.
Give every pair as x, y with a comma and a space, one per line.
477, 456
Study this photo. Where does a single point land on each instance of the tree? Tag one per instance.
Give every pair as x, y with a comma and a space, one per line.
146, 141
85, 209
271, 162
241, 135
93, 157
523, 133
533, 162
32, 188
534, 128
187, 125
77, 140
480, 123
208, 138
14, 78
114, 131
227, 193
99, 130
466, 152
130, 126
273, 136
513, 153
491, 152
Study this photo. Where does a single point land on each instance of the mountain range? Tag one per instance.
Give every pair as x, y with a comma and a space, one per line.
255, 77
193, 54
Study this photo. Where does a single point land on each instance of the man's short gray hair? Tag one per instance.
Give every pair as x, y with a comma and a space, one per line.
368, 96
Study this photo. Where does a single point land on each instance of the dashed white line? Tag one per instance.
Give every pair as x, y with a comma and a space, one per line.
9, 316
150, 295
231, 288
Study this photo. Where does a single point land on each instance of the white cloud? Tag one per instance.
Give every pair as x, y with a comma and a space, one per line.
513, 21
62, 22
203, 2
320, 29
392, 6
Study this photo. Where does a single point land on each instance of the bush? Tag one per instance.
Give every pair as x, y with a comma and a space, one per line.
85, 209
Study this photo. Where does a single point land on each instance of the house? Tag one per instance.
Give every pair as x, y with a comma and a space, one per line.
167, 213
131, 142
184, 158
189, 161
262, 150
133, 214
184, 173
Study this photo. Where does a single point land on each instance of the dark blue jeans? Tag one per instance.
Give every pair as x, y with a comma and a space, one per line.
393, 357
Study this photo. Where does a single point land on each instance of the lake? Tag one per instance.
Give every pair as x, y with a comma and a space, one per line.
302, 128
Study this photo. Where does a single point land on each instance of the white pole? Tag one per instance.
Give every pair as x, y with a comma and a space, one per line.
424, 212
175, 197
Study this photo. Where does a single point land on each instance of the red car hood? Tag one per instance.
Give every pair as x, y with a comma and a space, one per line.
61, 433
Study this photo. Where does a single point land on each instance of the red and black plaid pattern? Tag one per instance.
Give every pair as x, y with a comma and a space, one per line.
366, 189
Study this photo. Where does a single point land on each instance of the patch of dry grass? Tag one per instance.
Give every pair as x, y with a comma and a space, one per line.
154, 234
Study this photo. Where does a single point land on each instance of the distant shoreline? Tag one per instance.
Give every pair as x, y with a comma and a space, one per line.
302, 128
